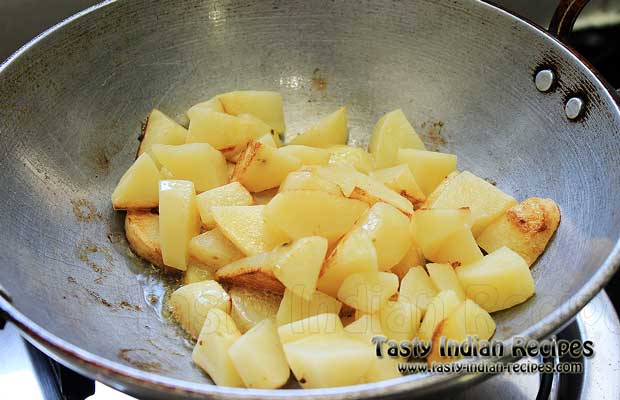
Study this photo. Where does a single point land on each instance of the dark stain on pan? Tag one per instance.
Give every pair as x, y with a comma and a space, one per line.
135, 358
115, 237
85, 211
100, 299
98, 258
432, 135
128, 306
319, 82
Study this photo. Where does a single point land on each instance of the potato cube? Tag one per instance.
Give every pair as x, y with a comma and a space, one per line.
500, 280
138, 188
365, 328
434, 226
262, 167
372, 191
343, 175
267, 140
381, 369
320, 324
297, 265
400, 179
525, 228
417, 288
232, 194
165, 173
313, 213
356, 157
213, 104
211, 352
485, 201
413, 258
308, 180
255, 272
259, 358
429, 168
438, 309
191, 303
400, 320
267, 106
251, 306
263, 127
330, 130
160, 129
444, 278
197, 272
307, 155
294, 308
459, 248
430, 199
391, 133
196, 162
142, 233
322, 361
214, 249
368, 291
179, 221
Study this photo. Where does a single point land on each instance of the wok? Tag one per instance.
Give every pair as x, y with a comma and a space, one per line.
73, 99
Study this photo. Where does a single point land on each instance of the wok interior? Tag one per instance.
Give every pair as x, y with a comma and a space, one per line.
72, 107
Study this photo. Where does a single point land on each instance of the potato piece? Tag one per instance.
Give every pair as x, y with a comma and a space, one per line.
213, 104
307, 213
499, 281
343, 175
262, 167
434, 226
413, 258
297, 265
160, 129
371, 191
459, 248
400, 179
214, 249
438, 309
197, 272
255, 272
308, 180
417, 288
259, 358
142, 232
165, 173
525, 228
251, 306
368, 291
264, 197
391, 133
356, 157
263, 127
321, 361
247, 229
267, 106
330, 130
485, 201
400, 320
429, 168
354, 253
444, 278
232, 194
430, 199
196, 162
468, 319
320, 324
381, 369
307, 155
191, 303
138, 188
211, 351
267, 140
294, 308
365, 328
179, 221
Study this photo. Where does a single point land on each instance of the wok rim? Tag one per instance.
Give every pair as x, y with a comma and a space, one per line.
133, 380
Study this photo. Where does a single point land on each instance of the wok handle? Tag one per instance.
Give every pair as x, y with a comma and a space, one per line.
565, 15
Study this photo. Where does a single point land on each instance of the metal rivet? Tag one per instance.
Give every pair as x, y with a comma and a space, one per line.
544, 80
573, 107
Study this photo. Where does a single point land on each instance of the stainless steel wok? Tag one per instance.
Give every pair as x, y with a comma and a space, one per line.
71, 102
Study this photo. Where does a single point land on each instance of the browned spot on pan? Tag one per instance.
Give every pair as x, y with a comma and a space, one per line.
318, 81
102, 162
128, 306
431, 134
85, 211
99, 259
136, 358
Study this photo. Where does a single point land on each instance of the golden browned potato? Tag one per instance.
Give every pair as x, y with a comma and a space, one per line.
261, 167
254, 272
142, 232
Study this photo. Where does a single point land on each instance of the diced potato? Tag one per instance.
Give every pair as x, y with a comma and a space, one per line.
197, 272
264, 197
160, 129
213, 104
412, 258
264, 105
428, 168
262, 167
165, 173
444, 278
430, 199
214, 249
191, 303
343, 175
259, 358
251, 306
308, 213
499, 281
485, 201
525, 228
365, 328
356, 157
330, 130
459, 248
138, 188
307, 155
438, 309
196, 162
255, 272
468, 319
294, 308
434, 226
179, 221
247, 229
400, 320
263, 127
321, 361
267, 140
232, 194
211, 352
320, 324
230, 168
354, 253
308, 180
391, 133
142, 232
368, 291
381, 369
400, 179
372, 191
417, 288
297, 265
